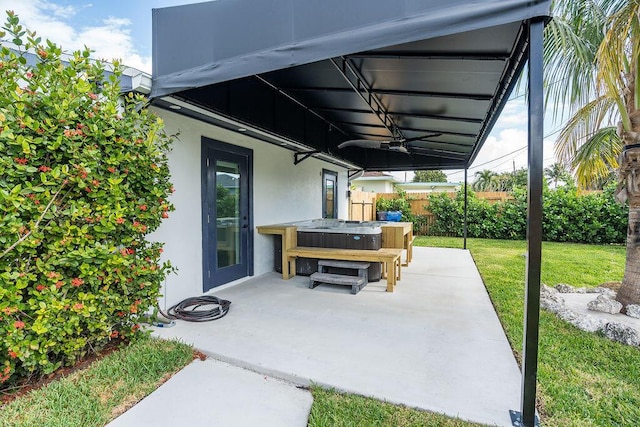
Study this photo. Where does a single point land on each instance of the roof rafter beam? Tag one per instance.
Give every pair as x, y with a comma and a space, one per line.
451, 154
286, 95
403, 54
443, 132
363, 89
417, 115
426, 94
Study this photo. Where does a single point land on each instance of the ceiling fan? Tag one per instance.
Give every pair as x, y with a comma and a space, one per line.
401, 145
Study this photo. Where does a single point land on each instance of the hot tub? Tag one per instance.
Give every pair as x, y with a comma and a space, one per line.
333, 233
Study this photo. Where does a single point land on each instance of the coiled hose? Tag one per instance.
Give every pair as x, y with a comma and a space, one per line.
191, 311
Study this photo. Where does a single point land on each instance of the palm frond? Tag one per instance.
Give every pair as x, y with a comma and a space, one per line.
597, 157
586, 122
617, 59
571, 42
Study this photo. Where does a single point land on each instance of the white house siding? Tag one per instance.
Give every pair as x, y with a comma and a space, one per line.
282, 192
374, 186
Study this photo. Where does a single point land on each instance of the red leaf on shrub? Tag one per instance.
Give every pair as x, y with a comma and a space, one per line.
13, 354
41, 288
44, 168
18, 324
21, 160
76, 281
9, 310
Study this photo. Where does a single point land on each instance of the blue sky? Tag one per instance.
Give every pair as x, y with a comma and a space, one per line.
122, 29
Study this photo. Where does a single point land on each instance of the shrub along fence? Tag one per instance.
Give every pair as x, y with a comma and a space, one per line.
567, 216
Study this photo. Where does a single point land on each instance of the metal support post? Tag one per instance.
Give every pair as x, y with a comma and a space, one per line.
465, 207
534, 227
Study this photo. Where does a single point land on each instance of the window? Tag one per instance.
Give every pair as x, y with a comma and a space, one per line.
329, 194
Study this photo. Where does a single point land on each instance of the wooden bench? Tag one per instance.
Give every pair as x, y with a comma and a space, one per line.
356, 282
390, 257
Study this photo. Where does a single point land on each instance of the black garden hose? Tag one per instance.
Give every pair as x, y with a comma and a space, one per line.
191, 311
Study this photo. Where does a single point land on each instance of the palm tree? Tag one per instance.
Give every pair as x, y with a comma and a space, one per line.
556, 172
593, 61
484, 180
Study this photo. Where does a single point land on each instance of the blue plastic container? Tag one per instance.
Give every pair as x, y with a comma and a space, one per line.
394, 216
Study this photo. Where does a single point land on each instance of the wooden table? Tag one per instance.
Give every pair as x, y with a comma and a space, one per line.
289, 240
399, 235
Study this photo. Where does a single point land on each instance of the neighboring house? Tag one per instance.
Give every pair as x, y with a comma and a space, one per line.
375, 182
430, 187
268, 91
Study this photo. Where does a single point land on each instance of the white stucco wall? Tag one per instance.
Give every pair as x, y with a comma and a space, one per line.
282, 192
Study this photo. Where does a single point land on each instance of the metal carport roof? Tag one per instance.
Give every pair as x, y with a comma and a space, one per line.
311, 74
318, 73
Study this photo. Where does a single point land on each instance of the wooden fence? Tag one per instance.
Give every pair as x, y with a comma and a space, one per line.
363, 206
420, 201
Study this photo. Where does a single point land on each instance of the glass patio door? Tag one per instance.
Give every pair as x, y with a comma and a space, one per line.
227, 235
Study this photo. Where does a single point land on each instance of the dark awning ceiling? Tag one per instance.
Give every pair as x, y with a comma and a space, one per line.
321, 72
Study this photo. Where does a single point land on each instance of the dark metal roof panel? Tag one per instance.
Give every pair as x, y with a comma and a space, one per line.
205, 43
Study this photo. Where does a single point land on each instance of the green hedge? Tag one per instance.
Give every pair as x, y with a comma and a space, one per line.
84, 179
567, 216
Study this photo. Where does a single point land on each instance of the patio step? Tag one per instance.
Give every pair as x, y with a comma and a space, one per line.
354, 265
356, 282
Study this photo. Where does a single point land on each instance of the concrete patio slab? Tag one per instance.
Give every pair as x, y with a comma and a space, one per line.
435, 343
210, 392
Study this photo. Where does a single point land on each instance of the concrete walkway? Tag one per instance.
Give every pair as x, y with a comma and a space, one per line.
435, 343
213, 393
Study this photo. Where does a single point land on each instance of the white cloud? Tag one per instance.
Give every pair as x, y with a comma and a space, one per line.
109, 40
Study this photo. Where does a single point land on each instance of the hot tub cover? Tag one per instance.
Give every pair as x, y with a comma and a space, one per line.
320, 72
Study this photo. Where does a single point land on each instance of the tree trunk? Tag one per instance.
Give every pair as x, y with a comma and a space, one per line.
629, 292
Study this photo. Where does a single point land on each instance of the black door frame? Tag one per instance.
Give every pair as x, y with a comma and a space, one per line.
211, 150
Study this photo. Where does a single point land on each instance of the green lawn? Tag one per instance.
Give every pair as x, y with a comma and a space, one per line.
584, 379
332, 409
96, 395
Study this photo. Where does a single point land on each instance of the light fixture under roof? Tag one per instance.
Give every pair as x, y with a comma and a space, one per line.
242, 129
175, 107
